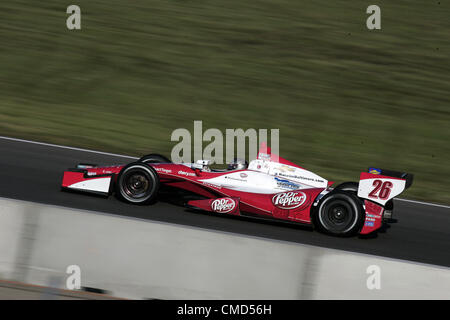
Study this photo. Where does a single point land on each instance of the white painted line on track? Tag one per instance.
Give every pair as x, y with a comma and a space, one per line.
130, 157
67, 147
424, 203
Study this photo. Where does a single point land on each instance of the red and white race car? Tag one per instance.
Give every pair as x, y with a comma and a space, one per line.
267, 187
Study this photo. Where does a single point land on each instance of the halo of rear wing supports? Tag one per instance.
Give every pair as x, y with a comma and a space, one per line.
381, 185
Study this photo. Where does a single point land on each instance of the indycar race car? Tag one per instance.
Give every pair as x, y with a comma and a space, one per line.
267, 187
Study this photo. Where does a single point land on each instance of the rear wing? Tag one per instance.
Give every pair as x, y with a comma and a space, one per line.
381, 185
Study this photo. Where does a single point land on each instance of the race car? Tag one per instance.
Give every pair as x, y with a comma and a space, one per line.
267, 187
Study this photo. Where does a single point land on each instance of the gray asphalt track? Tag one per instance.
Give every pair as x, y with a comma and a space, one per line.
33, 172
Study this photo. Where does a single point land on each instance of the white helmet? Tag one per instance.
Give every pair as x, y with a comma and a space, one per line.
238, 164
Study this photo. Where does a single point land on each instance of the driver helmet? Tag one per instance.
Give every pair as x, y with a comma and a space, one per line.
238, 164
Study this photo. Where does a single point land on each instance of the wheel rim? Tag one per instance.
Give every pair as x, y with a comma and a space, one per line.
338, 216
136, 184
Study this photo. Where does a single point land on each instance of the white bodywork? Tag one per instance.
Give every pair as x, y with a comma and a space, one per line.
366, 186
94, 185
268, 177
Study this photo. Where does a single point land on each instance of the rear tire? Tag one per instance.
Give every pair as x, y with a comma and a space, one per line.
348, 186
339, 213
154, 158
137, 183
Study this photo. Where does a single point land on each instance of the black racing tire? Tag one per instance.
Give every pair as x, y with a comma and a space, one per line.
154, 158
348, 186
137, 183
339, 213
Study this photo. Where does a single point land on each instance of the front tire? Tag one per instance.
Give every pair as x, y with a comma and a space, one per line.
154, 158
137, 183
339, 213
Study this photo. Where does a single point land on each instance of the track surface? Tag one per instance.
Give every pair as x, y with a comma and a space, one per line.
33, 172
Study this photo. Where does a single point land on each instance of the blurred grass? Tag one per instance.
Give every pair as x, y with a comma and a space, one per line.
342, 96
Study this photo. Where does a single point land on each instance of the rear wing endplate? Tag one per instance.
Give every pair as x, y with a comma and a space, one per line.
381, 185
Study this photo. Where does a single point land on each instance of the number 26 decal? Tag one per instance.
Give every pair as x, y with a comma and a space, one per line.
382, 190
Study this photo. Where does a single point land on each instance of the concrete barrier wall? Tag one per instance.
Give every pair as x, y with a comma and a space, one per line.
137, 259
11, 214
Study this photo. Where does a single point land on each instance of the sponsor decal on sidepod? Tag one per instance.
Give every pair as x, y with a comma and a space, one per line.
164, 170
283, 183
223, 205
184, 173
289, 200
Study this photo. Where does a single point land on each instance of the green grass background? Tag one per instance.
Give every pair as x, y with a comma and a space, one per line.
342, 96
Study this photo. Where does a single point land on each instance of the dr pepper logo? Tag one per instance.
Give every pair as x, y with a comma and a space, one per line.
223, 205
289, 200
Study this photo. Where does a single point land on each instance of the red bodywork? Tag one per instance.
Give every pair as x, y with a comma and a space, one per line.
183, 177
